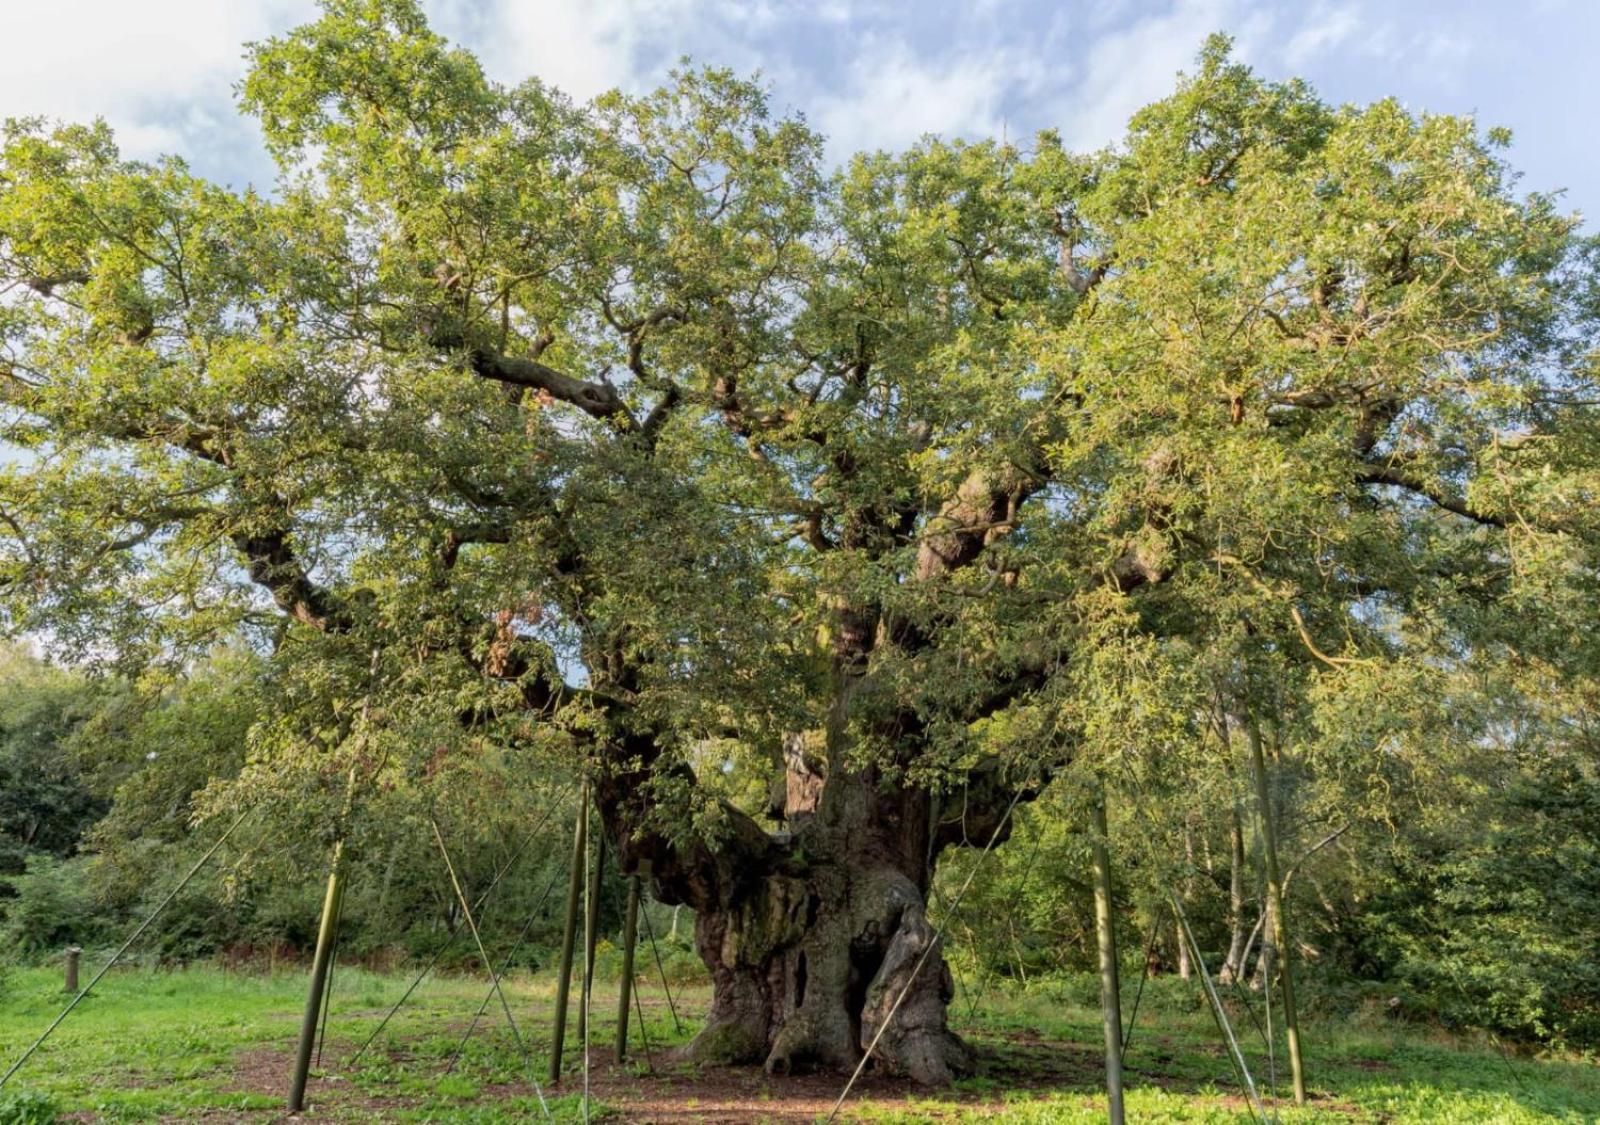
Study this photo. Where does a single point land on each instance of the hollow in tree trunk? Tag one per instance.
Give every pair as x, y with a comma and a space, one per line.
809, 964
814, 935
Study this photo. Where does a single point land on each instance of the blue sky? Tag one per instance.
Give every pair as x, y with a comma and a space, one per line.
868, 73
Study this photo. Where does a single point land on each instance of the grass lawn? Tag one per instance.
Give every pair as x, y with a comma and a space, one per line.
203, 1044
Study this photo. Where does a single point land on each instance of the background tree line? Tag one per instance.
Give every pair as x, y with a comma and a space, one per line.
103, 782
1454, 878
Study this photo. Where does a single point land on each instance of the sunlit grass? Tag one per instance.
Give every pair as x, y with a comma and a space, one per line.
175, 1045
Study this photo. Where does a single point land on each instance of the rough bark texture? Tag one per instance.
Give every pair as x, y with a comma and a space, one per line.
808, 965
812, 934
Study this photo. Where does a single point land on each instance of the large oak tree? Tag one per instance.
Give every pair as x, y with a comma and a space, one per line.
624, 427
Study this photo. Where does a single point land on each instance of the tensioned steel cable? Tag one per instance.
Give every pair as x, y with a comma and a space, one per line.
644, 1032
455, 932
1133, 1018
650, 932
589, 900
1235, 1053
533, 916
117, 956
489, 964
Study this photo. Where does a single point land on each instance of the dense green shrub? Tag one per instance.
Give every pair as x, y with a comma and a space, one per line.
25, 1107
1502, 929
53, 908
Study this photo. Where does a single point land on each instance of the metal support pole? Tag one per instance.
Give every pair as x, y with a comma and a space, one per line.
319, 977
630, 933
569, 935
333, 965
332, 903
1110, 986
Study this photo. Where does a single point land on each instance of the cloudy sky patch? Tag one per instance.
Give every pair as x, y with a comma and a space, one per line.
868, 73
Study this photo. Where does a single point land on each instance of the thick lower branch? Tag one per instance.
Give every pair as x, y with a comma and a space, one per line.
1395, 478
273, 565
599, 400
705, 875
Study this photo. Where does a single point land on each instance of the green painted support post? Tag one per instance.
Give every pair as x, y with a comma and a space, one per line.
630, 934
319, 977
1110, 985
569, 934
591, 934
328, 929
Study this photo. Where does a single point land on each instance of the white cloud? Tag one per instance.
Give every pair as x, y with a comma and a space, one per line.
582, 48
1328, 28
870, 73
161, 73
1135, 62
1128, 67
1358, 29
894, 97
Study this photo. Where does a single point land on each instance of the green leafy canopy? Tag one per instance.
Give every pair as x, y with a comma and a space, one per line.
624, 430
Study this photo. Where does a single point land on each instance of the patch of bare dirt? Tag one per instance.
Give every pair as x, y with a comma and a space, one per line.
676, 1094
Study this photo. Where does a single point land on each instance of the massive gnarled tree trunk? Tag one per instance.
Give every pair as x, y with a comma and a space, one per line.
812, 935
810, 961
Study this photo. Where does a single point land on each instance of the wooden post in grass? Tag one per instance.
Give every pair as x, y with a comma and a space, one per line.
630, 934
591, 934
319, 977
73, 953
569, 934
1110, 986
1280, 924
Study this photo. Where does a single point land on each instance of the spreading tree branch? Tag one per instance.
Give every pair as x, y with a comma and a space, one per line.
1397, 478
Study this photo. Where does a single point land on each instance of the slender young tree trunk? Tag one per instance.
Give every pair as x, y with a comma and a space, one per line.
1233, 964
1182, 945
1266, 929
388, 880
1278, 923
1110, 986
